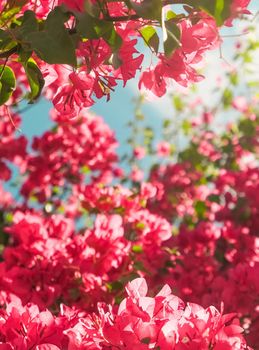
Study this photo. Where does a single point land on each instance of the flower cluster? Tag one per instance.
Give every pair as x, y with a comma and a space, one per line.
67, 153
214, 203
140, 322
101, 40
12, 148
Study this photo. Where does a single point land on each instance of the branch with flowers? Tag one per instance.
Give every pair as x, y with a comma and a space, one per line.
74, 52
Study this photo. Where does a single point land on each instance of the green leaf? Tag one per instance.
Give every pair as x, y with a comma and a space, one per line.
88, 27
24, 54
114, 286
6, 42
29, 24
85, 170
172, 35
9, 218
227, 97
113, 39
8, 15
149, 9
140, 225
7, 83
92, 9
35, 78
178, 103
186, 126
219, 9
53, 44
137, 249
170, 15
247, 127
93, 28
200, 208
139, 266
150, 37
3, 35
214, 198
234, 78
167, 123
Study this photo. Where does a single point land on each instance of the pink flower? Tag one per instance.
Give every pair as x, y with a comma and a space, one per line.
196, 39
71, 98
130, 64
207, 117
163, 149
238, 7
139, 152
136, 174
240, 103
77, 5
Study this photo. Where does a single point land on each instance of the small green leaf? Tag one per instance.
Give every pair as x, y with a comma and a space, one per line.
234, 78
150, 37
7, 83
119, 210
200, 208
9, 217
172, 35
227, 97
113, 39
186, 126
167, 123
35, 78
178, 103
114, 286
140, 225
137, 249
146, 340
170, 15
85, 170
214, 198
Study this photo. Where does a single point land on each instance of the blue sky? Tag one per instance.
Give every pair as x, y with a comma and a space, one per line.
117, 112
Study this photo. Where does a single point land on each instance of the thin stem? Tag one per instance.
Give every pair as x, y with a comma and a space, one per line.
11, 119
8, 53
3, 68
177, 2
122, 18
